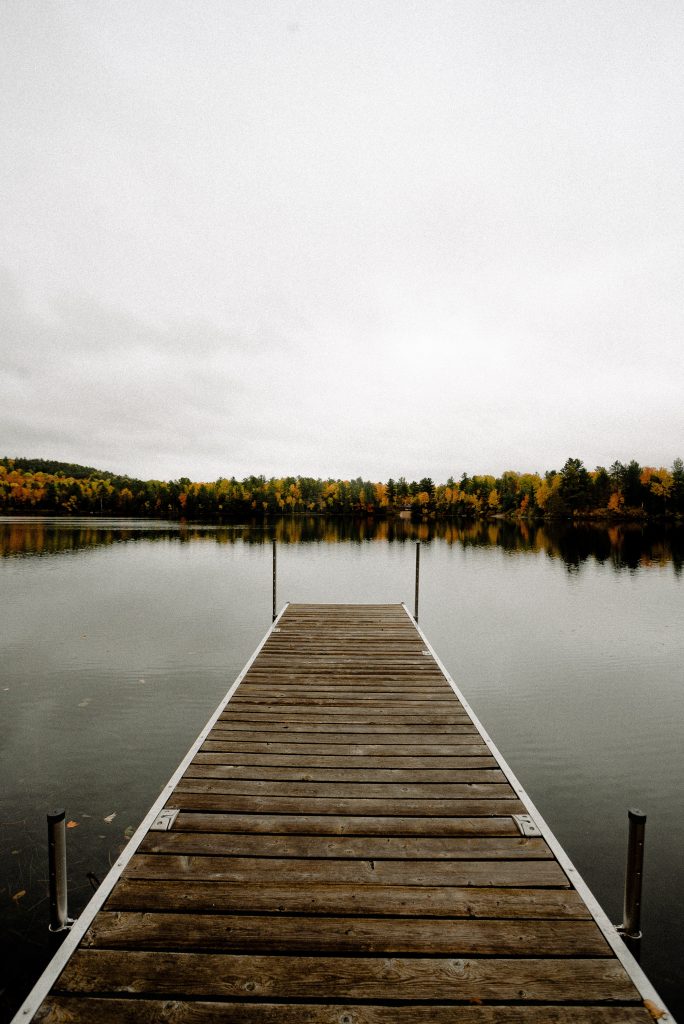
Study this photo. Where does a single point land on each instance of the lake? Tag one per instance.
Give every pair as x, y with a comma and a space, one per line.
118, 638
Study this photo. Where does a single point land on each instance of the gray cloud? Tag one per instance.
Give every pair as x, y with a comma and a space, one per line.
399, 240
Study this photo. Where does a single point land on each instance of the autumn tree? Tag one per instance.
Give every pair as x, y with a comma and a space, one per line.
575, 485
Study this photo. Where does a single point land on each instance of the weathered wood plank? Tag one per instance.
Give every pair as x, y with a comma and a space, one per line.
413, 685
388, 692
340, 898
349, 790
388, 635
400, 979
275, 728
200, 770
348, 847
310, 662
384, 684
280, 698
364, 701
344, 649
459, 737
354, 655
269, 759
339, 805
337, 824
80, 1010
371, 665
536, 874
478, 747
344, 935
315, 717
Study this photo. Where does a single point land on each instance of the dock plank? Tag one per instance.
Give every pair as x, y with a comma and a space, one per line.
347, 847
400, 979
349, 825
255, 870
200, 770
349, 750
66, 1010
353, 935
441, 791
377, 728
340, 805
376, 900
459, 760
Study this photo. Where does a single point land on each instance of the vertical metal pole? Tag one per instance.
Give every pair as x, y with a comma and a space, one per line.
415, 613
274, 582
631, 915
59, 917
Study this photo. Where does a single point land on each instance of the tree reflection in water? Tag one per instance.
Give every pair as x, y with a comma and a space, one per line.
624, 546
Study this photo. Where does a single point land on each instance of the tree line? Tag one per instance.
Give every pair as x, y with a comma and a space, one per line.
622, 491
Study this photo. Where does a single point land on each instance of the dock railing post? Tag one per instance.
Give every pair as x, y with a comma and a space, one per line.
274, 582
631, 915
415, 613
59, 916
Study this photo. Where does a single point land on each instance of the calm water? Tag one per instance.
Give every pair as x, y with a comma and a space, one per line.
118, 638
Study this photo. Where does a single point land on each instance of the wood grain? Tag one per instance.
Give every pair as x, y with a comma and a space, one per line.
347, 847
351, 935
70, 1010
400, 979
254, 870
377, 900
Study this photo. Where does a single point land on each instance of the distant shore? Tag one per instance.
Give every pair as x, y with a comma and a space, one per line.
622, 493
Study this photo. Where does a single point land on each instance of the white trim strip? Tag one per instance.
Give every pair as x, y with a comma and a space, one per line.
53, 970
641, 982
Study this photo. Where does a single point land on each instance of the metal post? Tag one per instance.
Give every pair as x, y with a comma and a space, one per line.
274, 581
631, 915
59, 917
415, 613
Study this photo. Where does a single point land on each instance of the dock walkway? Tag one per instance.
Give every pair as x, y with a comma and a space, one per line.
345, 850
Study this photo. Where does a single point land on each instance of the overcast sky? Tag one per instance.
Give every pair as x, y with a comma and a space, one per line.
370, 237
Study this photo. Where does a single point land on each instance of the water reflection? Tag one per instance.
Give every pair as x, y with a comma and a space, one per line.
623, 546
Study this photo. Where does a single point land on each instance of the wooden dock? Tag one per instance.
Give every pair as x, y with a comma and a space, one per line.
345, 852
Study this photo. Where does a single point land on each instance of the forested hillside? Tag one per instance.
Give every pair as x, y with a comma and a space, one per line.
37, 485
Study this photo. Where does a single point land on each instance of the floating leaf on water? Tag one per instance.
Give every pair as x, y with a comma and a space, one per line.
110, 818
128, 832
72, 824
18, 895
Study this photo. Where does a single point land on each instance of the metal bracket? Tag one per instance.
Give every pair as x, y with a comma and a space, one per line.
65, 927
624, 934
426, 654
276, 629
526, 825
165, 819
